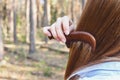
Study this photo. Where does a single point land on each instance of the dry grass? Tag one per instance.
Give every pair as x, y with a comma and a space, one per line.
50, 65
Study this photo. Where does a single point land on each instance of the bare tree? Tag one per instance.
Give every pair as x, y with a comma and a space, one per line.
1, 44
83, 2
45, 17
15, 24
32, 32
11, 19
27, 2
38, 13
72, 10
1, 41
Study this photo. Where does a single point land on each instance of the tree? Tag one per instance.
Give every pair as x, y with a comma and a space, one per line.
1, 41
4, 11
83, 2
32, 32
53, 12
1, 44
27, 7
11, 19
72, 7
45, 17
38, 13
15, 24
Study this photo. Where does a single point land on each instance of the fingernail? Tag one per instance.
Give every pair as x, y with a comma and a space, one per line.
63, 40
48, 34
67, 32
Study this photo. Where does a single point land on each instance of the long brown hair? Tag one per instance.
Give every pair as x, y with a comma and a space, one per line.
101, 18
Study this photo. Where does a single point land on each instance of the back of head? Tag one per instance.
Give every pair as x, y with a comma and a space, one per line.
101, 18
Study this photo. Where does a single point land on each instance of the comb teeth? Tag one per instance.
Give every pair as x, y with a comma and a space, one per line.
80, 36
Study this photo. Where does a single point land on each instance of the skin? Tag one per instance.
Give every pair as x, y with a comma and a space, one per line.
63, 26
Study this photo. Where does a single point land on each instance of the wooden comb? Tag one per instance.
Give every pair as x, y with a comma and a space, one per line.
79, 36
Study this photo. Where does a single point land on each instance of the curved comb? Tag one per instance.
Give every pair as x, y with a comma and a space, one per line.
80, 36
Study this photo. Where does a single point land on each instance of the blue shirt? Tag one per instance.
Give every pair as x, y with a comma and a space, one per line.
102, 71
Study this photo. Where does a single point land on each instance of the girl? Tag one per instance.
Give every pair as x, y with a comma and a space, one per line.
101, 19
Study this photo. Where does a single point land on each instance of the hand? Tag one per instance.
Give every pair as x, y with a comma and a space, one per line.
63, 26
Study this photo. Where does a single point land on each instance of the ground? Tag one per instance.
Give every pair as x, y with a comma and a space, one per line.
44, 64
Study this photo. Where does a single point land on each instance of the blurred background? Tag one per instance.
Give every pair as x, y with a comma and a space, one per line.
25, 52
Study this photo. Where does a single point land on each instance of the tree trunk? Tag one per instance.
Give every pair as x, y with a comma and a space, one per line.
45, 18
32, 32
15, 24
38, 13
45, 15
11, 20
83, 3
4, 19
27, 2
72, 7
1, 41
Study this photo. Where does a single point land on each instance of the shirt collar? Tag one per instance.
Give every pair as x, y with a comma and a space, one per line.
104, 66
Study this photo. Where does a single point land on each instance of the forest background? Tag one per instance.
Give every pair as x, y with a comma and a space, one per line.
25, 52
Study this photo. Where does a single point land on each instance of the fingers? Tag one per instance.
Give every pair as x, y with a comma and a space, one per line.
63, 26
53, 31
65, 22
59, 31
72, 28
46, 31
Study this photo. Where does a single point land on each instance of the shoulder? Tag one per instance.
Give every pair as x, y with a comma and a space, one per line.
103, 71
101, 77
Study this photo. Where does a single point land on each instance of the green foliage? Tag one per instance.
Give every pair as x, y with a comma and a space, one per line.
6, 58
19, 22
22, 38
40, 34
53, 2
47, 72
8, 42
21, 29
39, 65
21, 54
53, 14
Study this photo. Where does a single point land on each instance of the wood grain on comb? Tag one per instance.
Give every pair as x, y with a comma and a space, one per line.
80, 36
